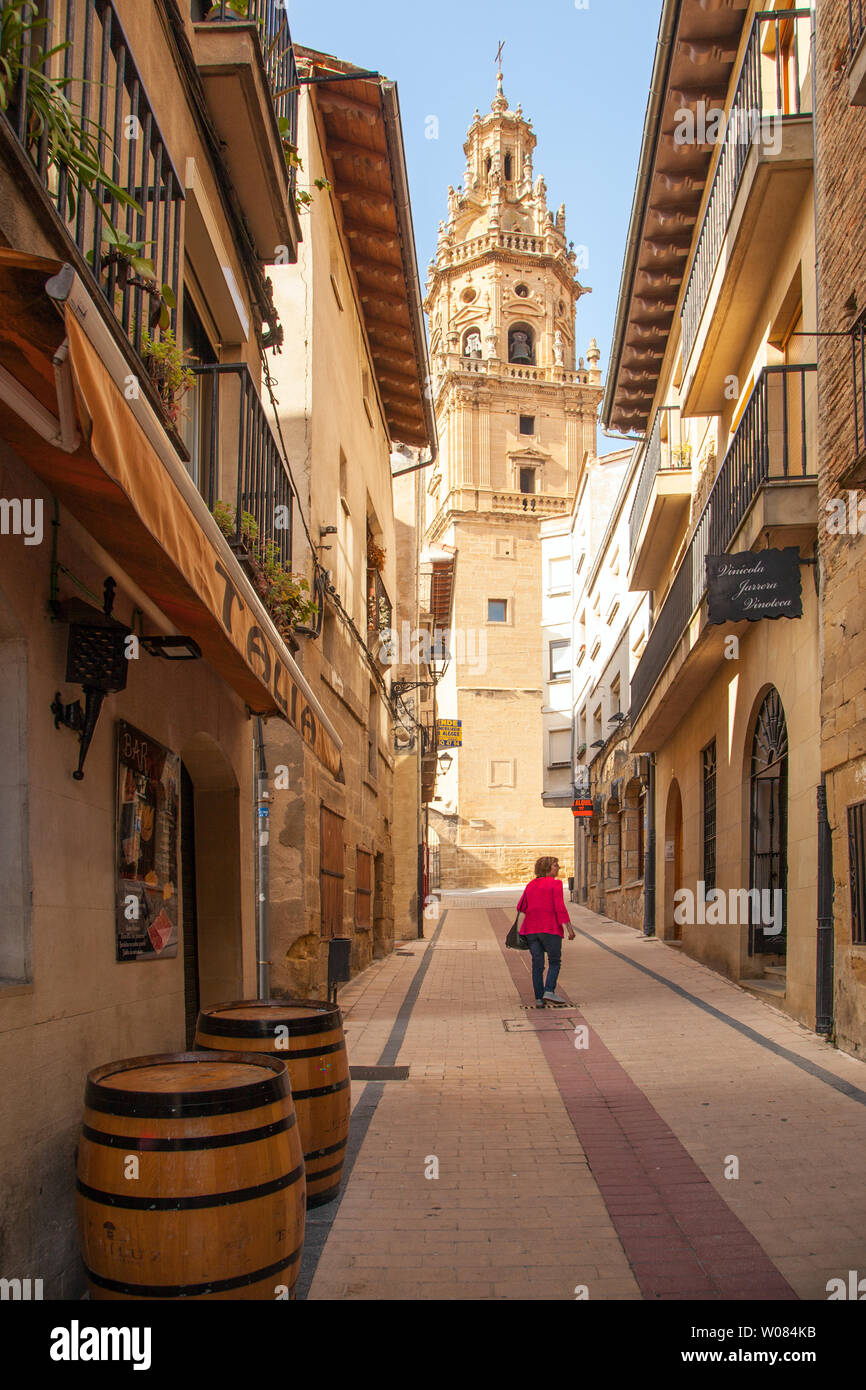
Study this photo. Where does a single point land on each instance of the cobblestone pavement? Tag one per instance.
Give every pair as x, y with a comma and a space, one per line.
512, 1163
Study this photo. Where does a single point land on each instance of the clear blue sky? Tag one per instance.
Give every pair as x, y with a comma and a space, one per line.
581, 74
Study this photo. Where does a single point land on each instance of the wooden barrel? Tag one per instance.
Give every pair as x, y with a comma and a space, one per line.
191, 1179
308, 1035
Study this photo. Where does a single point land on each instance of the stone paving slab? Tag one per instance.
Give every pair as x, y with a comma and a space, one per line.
521, 1209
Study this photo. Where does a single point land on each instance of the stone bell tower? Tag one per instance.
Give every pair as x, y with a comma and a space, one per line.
517, 421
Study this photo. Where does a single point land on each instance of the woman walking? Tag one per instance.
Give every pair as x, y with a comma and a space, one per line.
544, 916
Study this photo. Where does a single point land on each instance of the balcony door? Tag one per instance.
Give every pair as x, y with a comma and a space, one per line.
768, 828
195, 421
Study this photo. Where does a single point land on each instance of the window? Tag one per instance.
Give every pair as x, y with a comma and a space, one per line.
641, 832
497, 610
709, 815
614, 696
768, 822
527, 424
364, 890
509, 168
560, 660
527, 480
504, 548
195, 419
857, 868
558, 575
472, 343
559, 753
522, 290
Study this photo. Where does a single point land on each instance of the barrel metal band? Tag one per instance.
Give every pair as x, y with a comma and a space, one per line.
324, 1173
218, 1025
153, 1143
322, 1090
159, 1105
193, 1290
324, 1153
209, 1199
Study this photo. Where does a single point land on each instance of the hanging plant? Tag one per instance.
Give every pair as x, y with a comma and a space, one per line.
285, 595
134, 269
166, 363
375, 555
303, 196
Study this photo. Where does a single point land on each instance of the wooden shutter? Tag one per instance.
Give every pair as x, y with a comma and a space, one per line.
331, 873
364, 890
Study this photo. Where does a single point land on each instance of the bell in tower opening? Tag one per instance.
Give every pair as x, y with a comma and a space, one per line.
520, 345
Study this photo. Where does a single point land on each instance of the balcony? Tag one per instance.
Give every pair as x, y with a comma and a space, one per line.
767, 480
243, 50
661, 506
530, 503
857, 53
143, 202
762, 174
379, 610
236, 457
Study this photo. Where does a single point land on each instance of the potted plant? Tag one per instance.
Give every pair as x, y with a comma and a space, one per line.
134, 269
285, 595
165, 362
681, 456
375, 555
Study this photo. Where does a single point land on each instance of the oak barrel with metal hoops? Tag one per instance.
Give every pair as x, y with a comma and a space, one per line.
308, 1035
191, 1178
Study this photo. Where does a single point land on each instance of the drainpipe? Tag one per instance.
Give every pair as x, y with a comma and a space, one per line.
824, 972
262, 830
649, 868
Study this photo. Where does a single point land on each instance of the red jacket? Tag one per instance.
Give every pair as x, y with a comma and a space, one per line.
544, 905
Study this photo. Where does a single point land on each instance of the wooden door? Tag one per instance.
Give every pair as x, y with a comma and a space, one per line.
364, 890
331, 872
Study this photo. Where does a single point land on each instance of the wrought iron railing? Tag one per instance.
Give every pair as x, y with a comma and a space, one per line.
775, 63
659, 455
378, 605
94, 70
271, 19
775, 440
240, 460
858, 358
856, 22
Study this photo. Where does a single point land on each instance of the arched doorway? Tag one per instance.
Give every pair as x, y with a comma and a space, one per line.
768, 828
210, 879
673, 930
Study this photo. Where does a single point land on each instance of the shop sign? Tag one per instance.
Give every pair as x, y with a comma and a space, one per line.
754, 585
581, 806
146, 885
449, 733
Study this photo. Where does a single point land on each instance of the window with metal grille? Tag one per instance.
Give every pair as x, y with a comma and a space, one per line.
709, 809
857, 867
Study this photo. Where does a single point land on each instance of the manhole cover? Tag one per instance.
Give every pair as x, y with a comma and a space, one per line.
379, 1073
541, 1021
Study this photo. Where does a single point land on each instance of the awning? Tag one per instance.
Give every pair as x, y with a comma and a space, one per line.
127, 487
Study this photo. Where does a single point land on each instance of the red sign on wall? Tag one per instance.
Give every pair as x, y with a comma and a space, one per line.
582, 806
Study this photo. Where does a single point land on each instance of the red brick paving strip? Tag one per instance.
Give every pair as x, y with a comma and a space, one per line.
681, 1238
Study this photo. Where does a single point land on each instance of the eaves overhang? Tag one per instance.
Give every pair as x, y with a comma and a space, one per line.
696, 50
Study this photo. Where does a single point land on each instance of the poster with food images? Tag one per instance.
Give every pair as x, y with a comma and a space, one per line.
146, 892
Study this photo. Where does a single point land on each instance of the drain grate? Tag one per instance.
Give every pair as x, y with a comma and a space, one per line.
379, 1073
541, 1022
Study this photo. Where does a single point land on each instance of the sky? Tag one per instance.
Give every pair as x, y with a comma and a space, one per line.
581, 70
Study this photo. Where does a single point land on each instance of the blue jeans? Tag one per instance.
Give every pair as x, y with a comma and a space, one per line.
538, 943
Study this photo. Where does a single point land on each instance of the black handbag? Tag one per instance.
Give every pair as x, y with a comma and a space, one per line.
515, 940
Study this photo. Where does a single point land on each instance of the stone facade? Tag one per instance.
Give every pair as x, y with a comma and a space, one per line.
840, 177
516, 415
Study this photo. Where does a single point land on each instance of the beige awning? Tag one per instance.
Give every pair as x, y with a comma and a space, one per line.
138, 503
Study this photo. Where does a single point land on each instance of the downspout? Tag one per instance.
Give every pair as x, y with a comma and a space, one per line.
826, 943
262, 831
649, 870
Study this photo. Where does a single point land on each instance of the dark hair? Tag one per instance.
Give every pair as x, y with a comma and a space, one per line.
544, 865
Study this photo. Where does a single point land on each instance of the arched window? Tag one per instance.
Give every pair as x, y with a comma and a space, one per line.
768, 829
472, 343
521, 344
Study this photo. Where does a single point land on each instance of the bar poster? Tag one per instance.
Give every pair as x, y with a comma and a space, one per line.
146, 892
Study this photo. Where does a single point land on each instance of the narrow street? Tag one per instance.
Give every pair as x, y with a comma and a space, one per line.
595, 1171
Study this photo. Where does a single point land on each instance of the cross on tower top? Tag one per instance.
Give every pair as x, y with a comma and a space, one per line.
499, 56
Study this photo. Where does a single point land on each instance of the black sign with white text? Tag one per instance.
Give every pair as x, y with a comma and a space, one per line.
753, 585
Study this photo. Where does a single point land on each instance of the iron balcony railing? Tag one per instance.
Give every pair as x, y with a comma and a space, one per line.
378, 605
769, 86
95, 72
659, 455
775, 440
858, 358
271, 19
240, 460
856, 23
